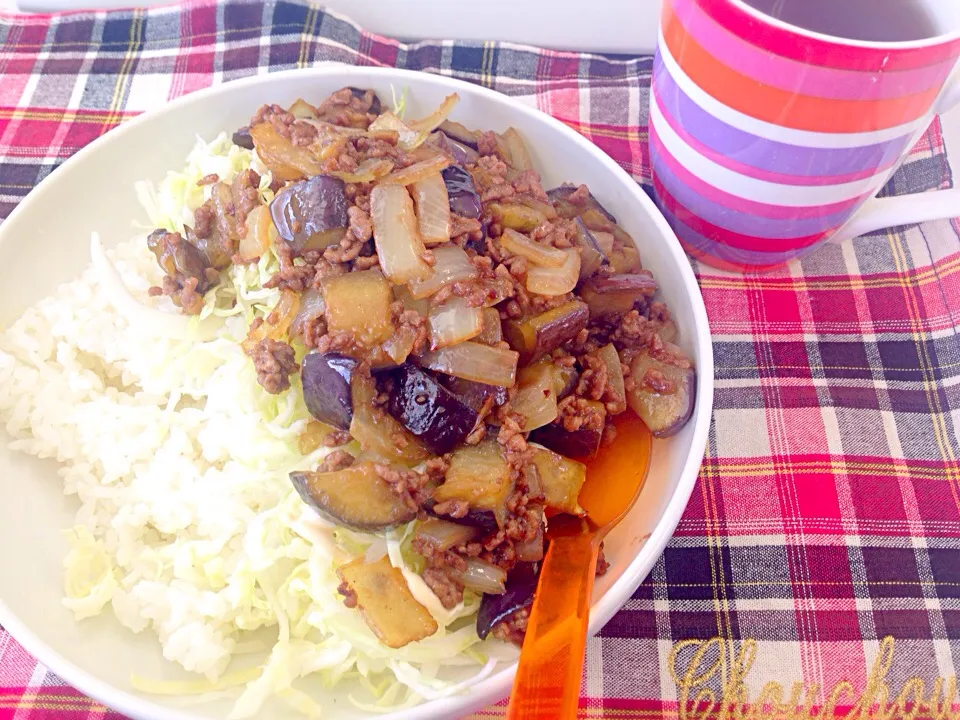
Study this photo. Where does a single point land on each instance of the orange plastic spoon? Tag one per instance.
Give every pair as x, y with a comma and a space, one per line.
547, 685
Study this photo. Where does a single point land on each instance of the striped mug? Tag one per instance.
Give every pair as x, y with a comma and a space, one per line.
774, 123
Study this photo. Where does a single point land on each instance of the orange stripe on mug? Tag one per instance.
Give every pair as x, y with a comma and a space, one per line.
781, 107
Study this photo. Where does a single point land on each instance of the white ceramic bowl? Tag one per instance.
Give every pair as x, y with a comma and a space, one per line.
45, 241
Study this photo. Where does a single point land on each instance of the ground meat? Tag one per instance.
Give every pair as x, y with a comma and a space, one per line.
203, 220
360, 224
366, 262
487, 144
274, 362
336, 460
575, 413
453, 508
410, 323
188, 274
658, 382
461, 226
557, 233
287, 126
245, 189
528, 183
336, 438
292, 275
312, 330
208, 179
593, 378
350, 109
602, 564
513, 627
349, 596
346, 250
633, 331
339, 341
579, 196
448, 589
409, 485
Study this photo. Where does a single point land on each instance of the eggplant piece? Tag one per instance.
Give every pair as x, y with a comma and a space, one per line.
179, 259
355, 497
473, 393
359, 303
311, 214
480, 476
558, 196
461, 153
243, 138
377, 432
459, 132
326, 381
485, 523
592, 257
516, 216
565, 380
464, 198
518, 593
664, 389
583, 442
560, 480
617, 294
541, 334
386, 603
432, 413
375, 106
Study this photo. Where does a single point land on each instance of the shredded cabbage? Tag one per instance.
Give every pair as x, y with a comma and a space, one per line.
286, 575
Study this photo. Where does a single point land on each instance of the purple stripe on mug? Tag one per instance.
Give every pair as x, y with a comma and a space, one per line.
768, 155
791, 75
779, 213
699, 246
746, 223
759, 173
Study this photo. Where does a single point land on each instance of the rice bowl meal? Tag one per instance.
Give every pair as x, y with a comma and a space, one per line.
336, 391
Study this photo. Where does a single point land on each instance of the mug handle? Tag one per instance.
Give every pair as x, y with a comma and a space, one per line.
880, 213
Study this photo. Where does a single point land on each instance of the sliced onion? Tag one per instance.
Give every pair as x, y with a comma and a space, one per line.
433, 209
395, 233
536, 398
432, 121
444, 534
278, 322
538, 254
519, 156
492, 332
418, 171
284, 159
453, 265
368, 171
453, 322
475, 361
407, 138
311, 307
399, 345
555, 280
302, 110
483, 577
261, 233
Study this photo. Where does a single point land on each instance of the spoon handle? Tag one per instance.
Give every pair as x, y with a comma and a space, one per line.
547, 685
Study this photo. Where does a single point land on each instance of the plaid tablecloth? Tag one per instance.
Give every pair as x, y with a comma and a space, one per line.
818, 562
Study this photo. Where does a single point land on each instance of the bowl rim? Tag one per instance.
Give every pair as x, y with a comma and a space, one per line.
496, 686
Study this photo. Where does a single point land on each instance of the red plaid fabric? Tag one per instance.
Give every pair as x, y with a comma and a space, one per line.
821, 547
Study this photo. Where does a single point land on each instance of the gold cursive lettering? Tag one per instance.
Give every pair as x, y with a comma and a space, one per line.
712, 685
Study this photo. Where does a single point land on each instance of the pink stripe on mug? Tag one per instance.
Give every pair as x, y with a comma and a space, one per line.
725, 35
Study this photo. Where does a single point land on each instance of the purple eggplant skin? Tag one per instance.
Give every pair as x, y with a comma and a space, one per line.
580, 443
482, 520
305, 210
326, 381
436, 416
461, 154
520, 587
242, 138
564, 191
464, 199
474, 394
